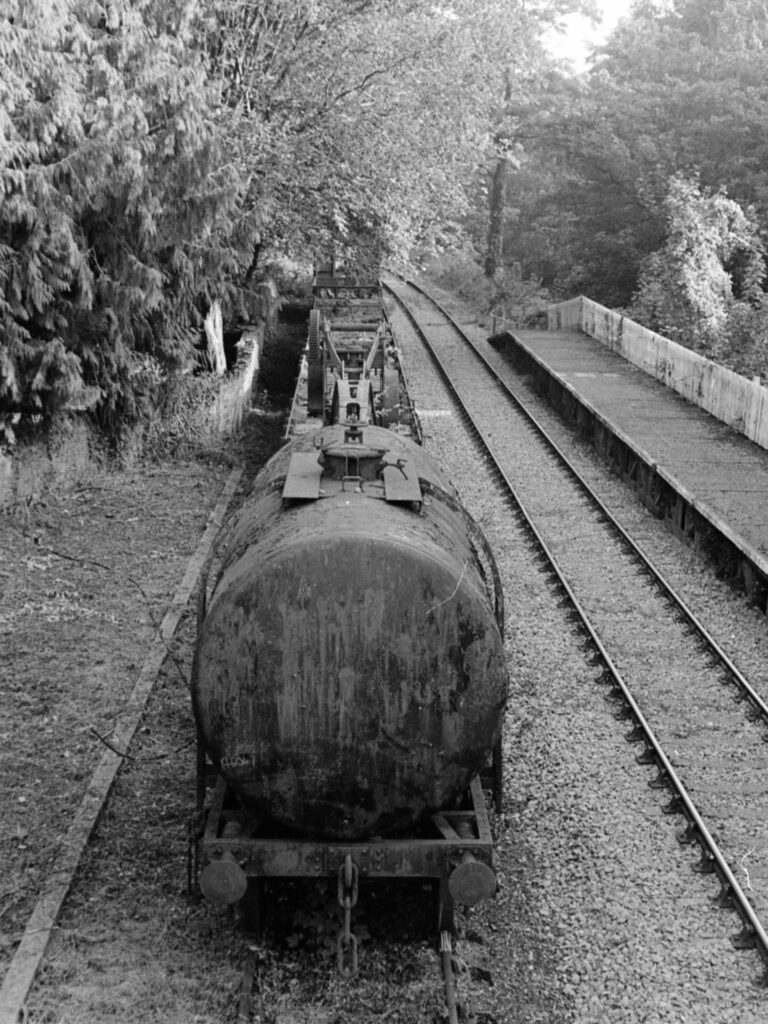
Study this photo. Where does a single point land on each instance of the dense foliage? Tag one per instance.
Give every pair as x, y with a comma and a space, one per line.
644, 184
119, 212
157, 153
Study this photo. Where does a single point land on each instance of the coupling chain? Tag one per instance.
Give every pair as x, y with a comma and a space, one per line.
346, 941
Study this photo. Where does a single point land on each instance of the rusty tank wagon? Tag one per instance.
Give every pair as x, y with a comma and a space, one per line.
349, 676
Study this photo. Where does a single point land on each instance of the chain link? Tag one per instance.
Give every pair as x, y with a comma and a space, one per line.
346, 941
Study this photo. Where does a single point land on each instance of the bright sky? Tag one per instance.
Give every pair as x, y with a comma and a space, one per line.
580, 34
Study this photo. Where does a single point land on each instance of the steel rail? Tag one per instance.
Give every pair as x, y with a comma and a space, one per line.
748, 692
246, 988
449, 982
753, 933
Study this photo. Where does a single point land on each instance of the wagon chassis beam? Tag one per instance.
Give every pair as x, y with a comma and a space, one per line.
459, 857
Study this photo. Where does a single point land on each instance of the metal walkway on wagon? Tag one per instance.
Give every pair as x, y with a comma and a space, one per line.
708, 481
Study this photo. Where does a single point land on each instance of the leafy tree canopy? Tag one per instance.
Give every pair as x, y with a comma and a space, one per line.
685, 291
645, 177
155, 153
118, 209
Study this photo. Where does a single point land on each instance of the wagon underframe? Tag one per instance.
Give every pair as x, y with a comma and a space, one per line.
455, 851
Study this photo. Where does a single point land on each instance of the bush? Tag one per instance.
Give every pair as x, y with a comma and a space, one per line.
745, 345
460, 274
519, 302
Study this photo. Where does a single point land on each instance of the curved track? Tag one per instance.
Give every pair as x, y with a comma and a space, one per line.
670, 679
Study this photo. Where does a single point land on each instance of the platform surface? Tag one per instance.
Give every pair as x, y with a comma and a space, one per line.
719, 471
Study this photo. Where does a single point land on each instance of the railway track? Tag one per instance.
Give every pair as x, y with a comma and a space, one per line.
680, 692
248, 1006
455, 1009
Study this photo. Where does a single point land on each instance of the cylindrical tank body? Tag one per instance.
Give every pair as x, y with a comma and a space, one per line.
349, 675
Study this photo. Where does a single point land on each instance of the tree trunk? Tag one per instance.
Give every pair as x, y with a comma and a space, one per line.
214, 333
493, 258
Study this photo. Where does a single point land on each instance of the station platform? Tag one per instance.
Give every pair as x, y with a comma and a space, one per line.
708, 482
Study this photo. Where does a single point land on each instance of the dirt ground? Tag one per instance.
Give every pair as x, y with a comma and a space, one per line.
85, 579
86, 576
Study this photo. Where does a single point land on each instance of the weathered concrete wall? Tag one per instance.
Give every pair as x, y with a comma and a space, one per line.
226, 413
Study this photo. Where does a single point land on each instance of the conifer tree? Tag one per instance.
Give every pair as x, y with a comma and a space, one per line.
119, 208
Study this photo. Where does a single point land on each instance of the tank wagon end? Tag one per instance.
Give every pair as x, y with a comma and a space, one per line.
349, 675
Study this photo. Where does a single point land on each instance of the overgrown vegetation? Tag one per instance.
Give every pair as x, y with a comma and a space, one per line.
120, 215
642, 181
159, 153
506, 296
180, 424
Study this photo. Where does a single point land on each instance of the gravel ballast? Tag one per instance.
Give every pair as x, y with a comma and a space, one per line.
630, 931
